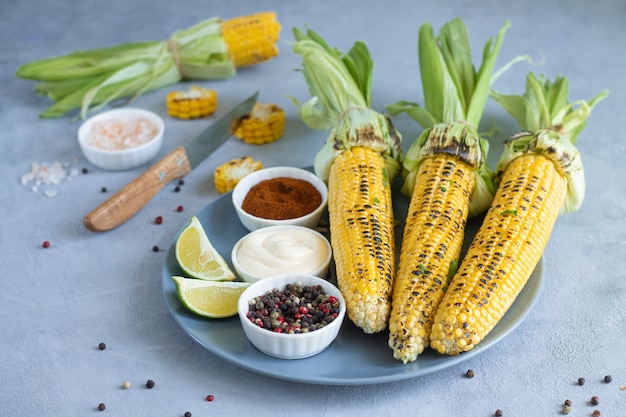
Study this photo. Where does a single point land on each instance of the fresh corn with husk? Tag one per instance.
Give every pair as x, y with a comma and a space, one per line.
228, 175
212, 49
195, 103
540, 175
446, 176
264, 124
359, 160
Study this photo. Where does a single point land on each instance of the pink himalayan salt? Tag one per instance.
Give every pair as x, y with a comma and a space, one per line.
118, 134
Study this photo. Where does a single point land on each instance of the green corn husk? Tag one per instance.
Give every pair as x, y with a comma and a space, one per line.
340, 85
91, 79
550, 126
454, 100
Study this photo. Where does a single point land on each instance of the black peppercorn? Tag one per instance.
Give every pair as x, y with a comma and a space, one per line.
103, 189
181, 182
102, 346
150, 384
595, 400
567, 402
581, 381
101, 406
187, 414
608, 378
155, 248
470, 373
498, 413
176, 189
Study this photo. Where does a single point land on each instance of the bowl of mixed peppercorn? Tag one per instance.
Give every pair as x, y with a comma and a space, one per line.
291, 316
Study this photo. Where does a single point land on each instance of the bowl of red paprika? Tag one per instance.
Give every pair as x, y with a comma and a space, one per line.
280, 196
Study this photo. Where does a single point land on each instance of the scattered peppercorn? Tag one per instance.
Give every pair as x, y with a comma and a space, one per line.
103, 189
126, 385
595, 400
158, 220
210, 398
180, 209
155, 248
45, 244
150, 384
102, 346
85, 170
566, 409
608, 379
470, 373
181, 182
498, 413
187, 414
581, 381
567, 402
101, 407
622, 388
596, 413
177, 189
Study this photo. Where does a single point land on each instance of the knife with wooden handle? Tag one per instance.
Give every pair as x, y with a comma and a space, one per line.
181, 161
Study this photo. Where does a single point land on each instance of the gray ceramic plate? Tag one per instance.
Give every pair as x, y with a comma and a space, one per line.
354, 358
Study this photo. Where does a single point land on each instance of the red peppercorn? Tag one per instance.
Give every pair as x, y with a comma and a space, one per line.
179, 209
210, 397
158, 220
45, 244
303, 309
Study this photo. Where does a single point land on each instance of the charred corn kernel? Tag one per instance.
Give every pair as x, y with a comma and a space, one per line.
502, 255
228, 175
362, 235
195, 103
264, 124
251, 39
431, 246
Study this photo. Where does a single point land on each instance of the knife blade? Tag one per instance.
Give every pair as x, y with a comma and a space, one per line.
181, 161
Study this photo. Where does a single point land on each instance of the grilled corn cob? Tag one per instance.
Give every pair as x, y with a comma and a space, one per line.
359, 160
540, 176
251, 39
445, 172
264, 124
228, 175
195, 103
361, 224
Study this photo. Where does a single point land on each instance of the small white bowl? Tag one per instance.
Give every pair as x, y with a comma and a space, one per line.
271, 247
283, 345
244, 186
124, 158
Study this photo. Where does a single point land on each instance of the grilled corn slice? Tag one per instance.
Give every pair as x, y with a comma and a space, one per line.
251, 39
540, 176
195, 103
264, 124
228, 175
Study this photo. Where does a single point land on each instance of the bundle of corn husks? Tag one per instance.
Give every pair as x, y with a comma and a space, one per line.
212, 49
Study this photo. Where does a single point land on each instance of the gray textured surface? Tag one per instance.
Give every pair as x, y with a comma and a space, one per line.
56, 305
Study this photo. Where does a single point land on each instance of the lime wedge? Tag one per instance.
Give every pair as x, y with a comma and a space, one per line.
212, 299
197, 256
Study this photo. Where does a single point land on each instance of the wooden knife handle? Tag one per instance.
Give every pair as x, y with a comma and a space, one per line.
129, 200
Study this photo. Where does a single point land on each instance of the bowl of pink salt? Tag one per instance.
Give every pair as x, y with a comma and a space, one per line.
122, 138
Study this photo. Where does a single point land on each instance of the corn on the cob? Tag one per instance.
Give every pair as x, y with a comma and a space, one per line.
212, 49
362, 231
264, 124
443, 168
359, 160
251, 39
540, 176
195, 103
228, 175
